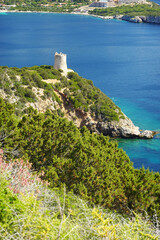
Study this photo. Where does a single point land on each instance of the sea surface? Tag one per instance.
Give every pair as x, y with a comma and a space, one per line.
122, 59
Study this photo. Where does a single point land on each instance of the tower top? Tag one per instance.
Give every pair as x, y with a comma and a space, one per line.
60, 54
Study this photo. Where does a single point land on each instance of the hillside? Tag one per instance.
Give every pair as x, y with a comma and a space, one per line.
30, 210
137, 13
34, 127
74, 97
132, 11
90, 165
151, 9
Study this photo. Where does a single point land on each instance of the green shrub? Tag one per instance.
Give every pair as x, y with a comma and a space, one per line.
84, 95
134, 10
29, 95
7, 88
36, 212
37, 79
88, 164
26, 78
44, 74
10, 205
80, 92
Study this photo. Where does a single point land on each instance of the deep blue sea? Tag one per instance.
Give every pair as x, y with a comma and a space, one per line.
122, 59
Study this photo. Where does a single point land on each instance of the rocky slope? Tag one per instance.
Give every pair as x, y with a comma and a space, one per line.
140, 19
124, 128
74, 97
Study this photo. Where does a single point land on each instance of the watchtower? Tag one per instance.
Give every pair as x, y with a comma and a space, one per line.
60, 61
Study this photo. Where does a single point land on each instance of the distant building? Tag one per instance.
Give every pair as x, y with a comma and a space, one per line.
130, 1
103, 3
99, 4
7, 7
113, 3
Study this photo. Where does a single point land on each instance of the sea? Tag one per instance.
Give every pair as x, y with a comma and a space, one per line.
121, 58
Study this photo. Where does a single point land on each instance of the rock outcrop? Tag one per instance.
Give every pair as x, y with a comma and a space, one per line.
122, 129
132, 19
151, 19
140, 19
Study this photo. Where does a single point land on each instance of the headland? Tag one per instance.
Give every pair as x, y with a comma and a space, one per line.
63, 90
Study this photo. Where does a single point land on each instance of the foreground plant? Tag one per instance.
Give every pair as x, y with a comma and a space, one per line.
30, 210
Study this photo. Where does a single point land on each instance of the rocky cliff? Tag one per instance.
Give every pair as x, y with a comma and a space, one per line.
122, 129
140, 19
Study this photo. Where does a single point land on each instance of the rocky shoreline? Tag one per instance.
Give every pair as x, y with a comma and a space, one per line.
135, 19
122, 129
140, 19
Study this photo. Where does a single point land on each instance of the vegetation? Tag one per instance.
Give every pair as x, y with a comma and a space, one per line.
90, 165
30, 210
37, 2
150, 9
85, 96
44, 5
135, 10
20, 85
68, 7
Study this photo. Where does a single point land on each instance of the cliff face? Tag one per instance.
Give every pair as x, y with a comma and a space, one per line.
74, 97
151, 19
140, 19
122, 129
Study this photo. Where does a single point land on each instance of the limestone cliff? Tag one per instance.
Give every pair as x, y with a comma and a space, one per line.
124, 128
140, 19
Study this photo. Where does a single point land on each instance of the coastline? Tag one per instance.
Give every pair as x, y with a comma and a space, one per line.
136, 19
74, 13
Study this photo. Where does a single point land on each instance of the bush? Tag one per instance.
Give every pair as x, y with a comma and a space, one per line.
135, 10
81, 92
37, 79
26, 78
29, 95
90, 165
84, 95
36, 212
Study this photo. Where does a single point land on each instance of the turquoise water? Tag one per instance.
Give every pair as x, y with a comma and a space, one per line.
122, 59
157, 1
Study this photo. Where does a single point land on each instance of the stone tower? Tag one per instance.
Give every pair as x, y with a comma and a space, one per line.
60, 61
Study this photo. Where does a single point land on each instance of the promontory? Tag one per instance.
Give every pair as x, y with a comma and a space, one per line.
69, 95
